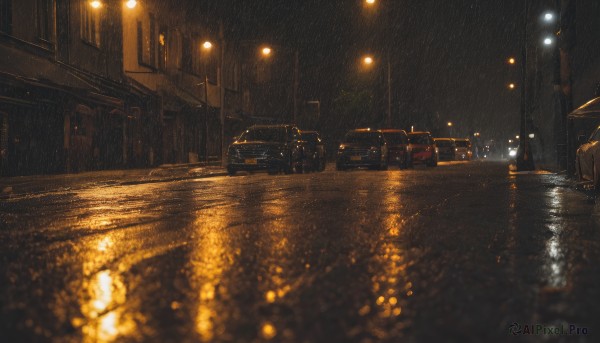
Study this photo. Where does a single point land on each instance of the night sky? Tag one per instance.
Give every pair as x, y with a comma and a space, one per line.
449, 57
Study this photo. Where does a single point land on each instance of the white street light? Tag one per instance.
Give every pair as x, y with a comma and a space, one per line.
548, 41
131, 4
548, 17
96, 4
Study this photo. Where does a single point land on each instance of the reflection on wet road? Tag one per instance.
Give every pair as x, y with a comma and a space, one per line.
457, 252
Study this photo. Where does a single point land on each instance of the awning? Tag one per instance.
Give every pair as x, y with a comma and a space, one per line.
175, 98
588, 110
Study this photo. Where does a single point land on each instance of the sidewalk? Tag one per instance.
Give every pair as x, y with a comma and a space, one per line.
37, 184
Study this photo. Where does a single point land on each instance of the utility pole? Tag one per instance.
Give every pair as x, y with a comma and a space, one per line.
222, 92
524, 152
295, 86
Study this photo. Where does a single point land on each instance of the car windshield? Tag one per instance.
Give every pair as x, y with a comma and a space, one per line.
443, 143
266, 134
462, 144
369, 138
394, 138
419, 139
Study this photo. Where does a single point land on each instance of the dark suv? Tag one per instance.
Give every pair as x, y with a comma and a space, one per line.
363, 148
398, 152
266, 147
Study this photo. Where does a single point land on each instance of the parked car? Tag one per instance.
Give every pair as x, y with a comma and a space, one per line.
267, 147
588, 159
463, 149
314, 150
423, 149
398, 150
363, 148
446, 148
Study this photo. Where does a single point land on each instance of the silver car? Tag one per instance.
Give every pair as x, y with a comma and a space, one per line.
588, 160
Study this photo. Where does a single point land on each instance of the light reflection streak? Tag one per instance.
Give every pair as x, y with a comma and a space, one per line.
390, 285
555, 256
210, 260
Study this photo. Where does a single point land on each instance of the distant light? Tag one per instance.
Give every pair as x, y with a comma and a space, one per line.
512, 60
370, 2
512, 86
96, 4
517, 137
266, 51
476, 134
131, 4
207, 45
510, 140
512, 153
548, 41
449, 123
548, 17
368, 60
532, 135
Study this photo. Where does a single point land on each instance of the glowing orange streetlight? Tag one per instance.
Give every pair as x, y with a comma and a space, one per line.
131, 4
370, 2
511, 86
512, 60
368, 60
207, 45
450, 124
96, 4
266, 51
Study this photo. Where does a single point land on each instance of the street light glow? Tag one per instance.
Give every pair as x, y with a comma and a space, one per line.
96, 4
207, 45
370, 2
368, 60
548, 17
266, 51
511, 86
131, 4
548, 41
511, 60
449, 123
532, 135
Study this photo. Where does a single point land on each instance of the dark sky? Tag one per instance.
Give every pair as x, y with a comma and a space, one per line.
448, 57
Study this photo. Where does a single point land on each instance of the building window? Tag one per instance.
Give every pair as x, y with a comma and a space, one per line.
45, 20
146, 41
162, 48
90, 23
6, 16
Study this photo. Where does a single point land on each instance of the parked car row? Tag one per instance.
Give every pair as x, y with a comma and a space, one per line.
285, 148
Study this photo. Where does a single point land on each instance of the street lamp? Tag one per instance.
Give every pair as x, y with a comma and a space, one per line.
511, 86
548, 41
131, 4
548, 17
449, 124
368, 60
206, 46
370, 2
96, 4
511, 60
266, 51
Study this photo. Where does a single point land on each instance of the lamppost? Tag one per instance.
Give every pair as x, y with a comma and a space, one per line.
267, 52
373, 3
206, 46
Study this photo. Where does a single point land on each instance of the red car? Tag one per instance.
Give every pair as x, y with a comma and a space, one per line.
423, 149
398, 150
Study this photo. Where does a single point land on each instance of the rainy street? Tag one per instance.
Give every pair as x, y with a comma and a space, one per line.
461, 252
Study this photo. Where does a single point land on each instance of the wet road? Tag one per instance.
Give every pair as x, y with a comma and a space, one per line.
454, 253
